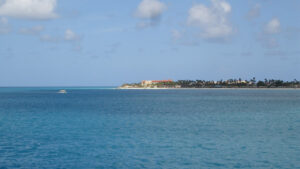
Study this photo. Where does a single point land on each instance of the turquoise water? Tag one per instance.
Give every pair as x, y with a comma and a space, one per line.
109, 128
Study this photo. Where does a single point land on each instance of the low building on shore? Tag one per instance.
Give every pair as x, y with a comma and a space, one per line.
153, 82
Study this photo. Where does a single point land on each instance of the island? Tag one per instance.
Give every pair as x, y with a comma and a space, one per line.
230, 83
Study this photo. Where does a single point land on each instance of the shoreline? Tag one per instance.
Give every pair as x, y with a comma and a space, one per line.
208, 88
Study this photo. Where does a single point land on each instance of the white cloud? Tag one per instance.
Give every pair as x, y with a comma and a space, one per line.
254, 12
269, 34
272, 27
49, 38
150, 9
3, 21
213, 21
32, 31
176, 34
74, 39
4, 26
70, 35
267, 41
29, 9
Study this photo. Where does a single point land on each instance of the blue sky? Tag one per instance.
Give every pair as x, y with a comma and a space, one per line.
96, 43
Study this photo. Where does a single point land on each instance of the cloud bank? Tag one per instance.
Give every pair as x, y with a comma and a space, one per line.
29, 9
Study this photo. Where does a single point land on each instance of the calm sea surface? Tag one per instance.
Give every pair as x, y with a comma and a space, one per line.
109, 128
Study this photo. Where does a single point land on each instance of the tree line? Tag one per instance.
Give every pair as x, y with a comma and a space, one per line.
231, 83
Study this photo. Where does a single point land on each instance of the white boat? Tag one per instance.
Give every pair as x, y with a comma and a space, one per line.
62, 91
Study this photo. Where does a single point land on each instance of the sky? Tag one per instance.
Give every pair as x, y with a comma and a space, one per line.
107, 43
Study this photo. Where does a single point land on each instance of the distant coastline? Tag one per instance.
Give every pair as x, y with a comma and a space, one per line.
202, 84
121, 88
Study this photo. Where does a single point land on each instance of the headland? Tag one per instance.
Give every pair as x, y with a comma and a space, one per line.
203, 84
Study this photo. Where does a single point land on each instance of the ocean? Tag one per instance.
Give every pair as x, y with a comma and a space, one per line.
169, 129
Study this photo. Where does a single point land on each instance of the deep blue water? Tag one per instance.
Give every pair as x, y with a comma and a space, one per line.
108, 128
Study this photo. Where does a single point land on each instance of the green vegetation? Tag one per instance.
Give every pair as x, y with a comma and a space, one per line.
230, 83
